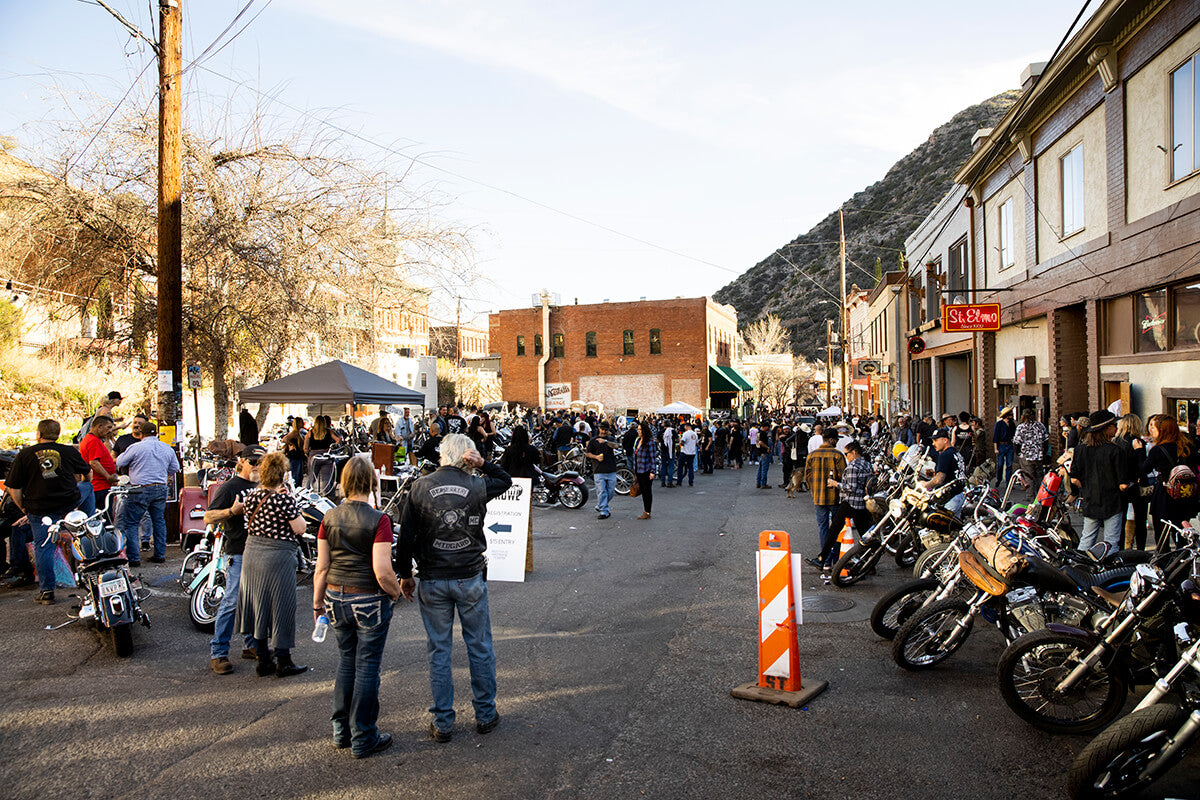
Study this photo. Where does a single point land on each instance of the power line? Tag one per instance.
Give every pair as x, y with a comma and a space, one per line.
108, 119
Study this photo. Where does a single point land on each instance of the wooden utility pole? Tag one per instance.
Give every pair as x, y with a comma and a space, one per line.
170, 212
828, 363
845, 322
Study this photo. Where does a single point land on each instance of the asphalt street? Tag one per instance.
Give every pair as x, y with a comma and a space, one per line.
616, 660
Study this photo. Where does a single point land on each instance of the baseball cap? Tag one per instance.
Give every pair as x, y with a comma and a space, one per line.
253, 453
940, 433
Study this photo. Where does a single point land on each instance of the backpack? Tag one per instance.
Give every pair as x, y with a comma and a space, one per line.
1181, 483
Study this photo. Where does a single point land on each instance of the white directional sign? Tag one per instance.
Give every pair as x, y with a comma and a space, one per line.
506, 525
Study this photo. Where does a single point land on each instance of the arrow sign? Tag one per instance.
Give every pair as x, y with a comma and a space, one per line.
498, 528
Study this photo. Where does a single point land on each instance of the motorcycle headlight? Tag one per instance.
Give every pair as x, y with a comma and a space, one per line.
1136, 583
895, 508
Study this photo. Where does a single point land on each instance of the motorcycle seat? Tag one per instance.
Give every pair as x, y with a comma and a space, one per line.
1112, 598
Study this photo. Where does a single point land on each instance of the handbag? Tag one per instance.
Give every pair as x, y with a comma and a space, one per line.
635, 489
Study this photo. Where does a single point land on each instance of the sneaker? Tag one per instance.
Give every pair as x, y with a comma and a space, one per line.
221, 665
816, 562
602, 516
484, 728
441, 737
382, 743
19, 581
45, 598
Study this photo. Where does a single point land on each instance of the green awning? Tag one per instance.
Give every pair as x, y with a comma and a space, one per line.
727, 379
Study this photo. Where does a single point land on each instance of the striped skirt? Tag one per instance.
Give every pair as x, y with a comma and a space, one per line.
266, 606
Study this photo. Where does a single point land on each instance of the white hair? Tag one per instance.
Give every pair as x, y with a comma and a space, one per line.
454, 446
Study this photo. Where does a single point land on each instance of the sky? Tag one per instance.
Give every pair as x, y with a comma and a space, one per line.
602, 150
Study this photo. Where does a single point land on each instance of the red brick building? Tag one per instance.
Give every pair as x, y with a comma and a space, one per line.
639, 355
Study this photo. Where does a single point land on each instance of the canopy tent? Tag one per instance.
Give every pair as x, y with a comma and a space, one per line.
727, 379
679, 408
832, 411
335, 382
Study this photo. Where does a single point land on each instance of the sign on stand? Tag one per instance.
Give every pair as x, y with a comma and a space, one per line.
506, 525
558, 396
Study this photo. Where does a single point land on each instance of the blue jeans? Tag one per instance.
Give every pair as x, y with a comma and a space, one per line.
1110, 527
43, 551
297, 465
668, 469
154, 500
1004, 462
18, 552
826, 534
360, 623
223, 625
764, 468
606, 487
438, 601
955, 504
685, 464
87, 498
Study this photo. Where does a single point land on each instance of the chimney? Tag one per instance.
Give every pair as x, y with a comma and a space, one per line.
980, 136
1030, 74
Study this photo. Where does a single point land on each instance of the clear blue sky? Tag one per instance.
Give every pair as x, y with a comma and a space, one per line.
718, 130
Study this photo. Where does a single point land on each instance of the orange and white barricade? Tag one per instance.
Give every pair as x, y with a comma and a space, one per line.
778, 655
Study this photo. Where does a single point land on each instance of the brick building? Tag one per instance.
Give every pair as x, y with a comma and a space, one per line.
1084, 203
458, 342
639, 355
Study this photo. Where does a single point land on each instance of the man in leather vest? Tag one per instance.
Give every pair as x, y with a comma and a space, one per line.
441, 527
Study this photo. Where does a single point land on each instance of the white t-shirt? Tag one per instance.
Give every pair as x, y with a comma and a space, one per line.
583, 427
687, 443
843, 440
815, 441
753, 436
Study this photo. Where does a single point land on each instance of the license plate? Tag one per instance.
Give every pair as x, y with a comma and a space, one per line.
109, 588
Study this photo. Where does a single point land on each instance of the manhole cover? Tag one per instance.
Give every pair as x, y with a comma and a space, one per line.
826, 603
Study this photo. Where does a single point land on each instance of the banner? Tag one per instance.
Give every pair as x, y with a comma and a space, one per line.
506, 526
558, 396
972, 317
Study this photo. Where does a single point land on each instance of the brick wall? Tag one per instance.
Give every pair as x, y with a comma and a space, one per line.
1067, 328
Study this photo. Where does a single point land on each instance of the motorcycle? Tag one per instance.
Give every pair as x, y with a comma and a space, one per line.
203, 576
313, 507
110, 600
567, 488
1070, 680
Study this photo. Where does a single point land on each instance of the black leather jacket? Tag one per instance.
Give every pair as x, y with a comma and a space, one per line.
441, 525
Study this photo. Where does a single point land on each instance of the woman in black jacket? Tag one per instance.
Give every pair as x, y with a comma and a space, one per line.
1129, 439
1172, 447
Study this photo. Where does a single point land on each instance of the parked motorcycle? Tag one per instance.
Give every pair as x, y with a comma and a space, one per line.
203, 576
567, 488
109, 600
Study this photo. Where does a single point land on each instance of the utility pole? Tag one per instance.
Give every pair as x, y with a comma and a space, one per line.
170, 213
828, 363
843, 317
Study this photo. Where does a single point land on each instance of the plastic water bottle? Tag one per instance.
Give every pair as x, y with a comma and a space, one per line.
320, 629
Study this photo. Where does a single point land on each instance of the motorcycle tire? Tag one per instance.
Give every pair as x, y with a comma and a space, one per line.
625, 479
895, 607
920, 643
930, 555
572, 495
193, 563
122, 639
1109, 765
907, 554
1032, 666
204, 602
856, 564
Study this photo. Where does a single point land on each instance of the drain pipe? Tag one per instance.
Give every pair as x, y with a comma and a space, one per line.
544, 296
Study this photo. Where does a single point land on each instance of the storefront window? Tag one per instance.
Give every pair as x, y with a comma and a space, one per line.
1118, 326
1152, 321
1187, 315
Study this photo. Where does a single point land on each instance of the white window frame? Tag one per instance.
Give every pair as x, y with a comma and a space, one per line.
1184, 144
1005, 219
1070, 173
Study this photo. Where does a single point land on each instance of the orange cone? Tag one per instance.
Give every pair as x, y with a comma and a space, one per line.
846, 540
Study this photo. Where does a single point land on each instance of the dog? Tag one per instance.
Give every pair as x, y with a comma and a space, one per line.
796, 483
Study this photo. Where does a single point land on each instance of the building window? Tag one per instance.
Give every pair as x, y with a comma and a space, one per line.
559, 346
1007, 256
933, 290
1185, 106
591, 344
537, 344
958, 271
627, 343
655, 341
1118, 327
1071, 172
1152, 321
520, 345
1186, 302
424, 380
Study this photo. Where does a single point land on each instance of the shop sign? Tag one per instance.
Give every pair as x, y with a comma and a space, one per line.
558, 396
971, 317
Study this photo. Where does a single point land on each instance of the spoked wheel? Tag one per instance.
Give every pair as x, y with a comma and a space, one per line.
1128, 756
193, 564
572, 495
928, 561
895, 607
204, 602
931, 636
853, 566
1031, 668
625, 479
906, 554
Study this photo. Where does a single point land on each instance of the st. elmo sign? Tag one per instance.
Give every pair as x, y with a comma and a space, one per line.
971, 317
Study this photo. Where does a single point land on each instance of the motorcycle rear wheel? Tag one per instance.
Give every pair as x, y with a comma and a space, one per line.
572, 495
122, 639
1110, 765
895, 607
923, 641
625, 479
856, 563
1033, 665
204, 602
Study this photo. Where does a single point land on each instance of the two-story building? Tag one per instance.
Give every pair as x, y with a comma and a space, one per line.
1085, 222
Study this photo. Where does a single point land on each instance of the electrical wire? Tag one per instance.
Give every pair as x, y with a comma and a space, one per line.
108, 119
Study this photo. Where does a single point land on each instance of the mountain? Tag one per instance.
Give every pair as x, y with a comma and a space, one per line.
908, 192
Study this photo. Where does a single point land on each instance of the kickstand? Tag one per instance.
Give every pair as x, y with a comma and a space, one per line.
63, 625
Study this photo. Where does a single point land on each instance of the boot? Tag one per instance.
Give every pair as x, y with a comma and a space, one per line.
1130, 528
285, 667
266, 664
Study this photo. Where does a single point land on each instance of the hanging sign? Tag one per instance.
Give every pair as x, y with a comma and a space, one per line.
916, 346
970, 317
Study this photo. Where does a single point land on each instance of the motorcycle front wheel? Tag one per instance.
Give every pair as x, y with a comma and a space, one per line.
925, 561
931, 636
1112, 765
1031, 667
625, 479
572, 495
855, 565
895, 607
204, 602
122, 639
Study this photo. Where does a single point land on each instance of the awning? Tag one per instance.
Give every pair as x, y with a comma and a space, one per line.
727, 379
335, 383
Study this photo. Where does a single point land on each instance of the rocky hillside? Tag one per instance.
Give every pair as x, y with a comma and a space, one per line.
911, 188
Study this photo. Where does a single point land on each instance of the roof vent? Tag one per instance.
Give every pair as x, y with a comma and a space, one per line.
1030, 74
980, 136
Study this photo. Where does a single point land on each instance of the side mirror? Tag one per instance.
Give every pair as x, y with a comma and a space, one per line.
47, 521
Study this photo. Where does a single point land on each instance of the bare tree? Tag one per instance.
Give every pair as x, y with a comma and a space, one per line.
766, 336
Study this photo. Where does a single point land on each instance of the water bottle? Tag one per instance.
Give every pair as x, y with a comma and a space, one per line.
320, 629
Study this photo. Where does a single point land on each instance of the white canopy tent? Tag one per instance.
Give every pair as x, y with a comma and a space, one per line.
679, 408
832, 411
